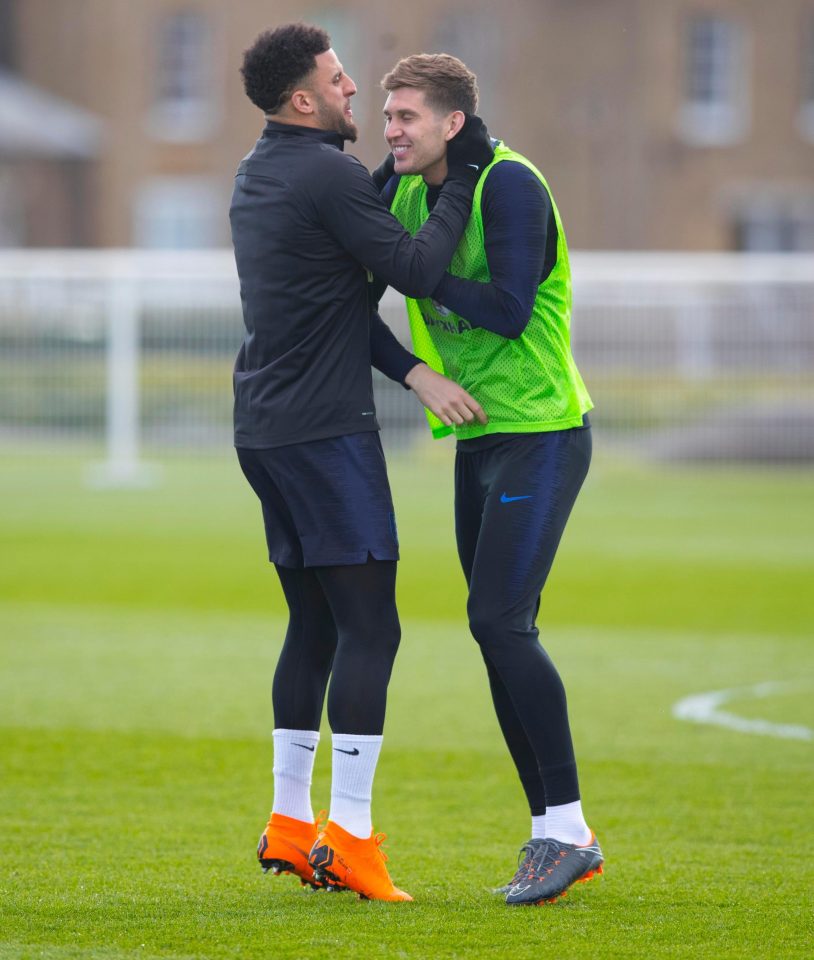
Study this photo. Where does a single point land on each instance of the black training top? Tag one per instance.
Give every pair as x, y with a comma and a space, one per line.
307, 225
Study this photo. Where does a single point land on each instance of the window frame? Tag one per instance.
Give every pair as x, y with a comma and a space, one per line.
188, 63
716, 95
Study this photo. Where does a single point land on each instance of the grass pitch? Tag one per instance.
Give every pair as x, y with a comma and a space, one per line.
138, 635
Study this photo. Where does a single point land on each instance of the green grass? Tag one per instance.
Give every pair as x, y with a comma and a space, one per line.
138, 635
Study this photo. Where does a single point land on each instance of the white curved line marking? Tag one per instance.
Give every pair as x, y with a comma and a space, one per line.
705, 708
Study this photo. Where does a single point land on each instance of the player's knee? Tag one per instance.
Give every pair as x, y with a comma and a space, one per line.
486, 628
499, 630
381, 634
391, 635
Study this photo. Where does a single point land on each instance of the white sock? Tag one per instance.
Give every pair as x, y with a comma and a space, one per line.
566, 822
538, 827
294, 753
354, 764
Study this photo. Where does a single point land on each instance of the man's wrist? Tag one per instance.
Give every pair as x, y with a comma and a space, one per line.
413, 373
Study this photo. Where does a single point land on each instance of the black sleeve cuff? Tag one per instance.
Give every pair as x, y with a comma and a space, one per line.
387, 355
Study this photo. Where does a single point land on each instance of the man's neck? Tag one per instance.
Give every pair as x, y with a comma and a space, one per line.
295, 119
435, 175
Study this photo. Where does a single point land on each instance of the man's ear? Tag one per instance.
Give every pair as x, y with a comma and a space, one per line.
456, 121
302, 101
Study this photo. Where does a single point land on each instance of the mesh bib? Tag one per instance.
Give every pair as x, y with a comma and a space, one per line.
527, 385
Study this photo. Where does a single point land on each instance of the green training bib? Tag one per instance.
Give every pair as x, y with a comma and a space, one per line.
527, 385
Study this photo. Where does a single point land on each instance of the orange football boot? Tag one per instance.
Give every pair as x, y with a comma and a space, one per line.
284, 846
357, 863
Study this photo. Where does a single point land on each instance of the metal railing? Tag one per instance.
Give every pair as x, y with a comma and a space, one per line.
686, 356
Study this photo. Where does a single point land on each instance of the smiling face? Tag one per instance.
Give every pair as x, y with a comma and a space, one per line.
417, 135
331, 89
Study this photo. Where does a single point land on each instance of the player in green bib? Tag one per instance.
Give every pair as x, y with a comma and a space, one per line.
499, 325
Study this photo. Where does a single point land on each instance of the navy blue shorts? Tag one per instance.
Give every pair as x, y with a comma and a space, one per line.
326, 503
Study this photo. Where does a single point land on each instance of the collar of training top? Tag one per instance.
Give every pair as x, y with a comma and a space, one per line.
273, 128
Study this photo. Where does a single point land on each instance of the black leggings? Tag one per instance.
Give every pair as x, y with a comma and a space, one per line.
512, 501
343, 623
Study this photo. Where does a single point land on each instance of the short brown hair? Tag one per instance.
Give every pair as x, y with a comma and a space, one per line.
447, 82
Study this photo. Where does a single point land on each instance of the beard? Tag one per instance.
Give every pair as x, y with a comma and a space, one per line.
334, 119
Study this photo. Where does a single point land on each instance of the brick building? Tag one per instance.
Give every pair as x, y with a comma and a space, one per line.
676, 124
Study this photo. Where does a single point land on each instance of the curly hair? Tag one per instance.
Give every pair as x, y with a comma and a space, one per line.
279, 60
447, 82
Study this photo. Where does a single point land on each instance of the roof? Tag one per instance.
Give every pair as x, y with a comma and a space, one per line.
36, 123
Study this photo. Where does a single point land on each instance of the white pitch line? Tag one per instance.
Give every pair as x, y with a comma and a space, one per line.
704, 708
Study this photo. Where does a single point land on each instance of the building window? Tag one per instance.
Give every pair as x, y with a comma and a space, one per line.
184, 98
347, 42
470, 36
8, 34
715, 106
776, 226
174, 213
806, 116
12, 212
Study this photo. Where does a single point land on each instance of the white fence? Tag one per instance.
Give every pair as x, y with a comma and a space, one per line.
705, 357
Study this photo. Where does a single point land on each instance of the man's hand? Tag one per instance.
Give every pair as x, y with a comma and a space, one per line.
470, 151
383, 172
449, 402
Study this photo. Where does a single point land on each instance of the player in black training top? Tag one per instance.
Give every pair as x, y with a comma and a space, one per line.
307, 226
